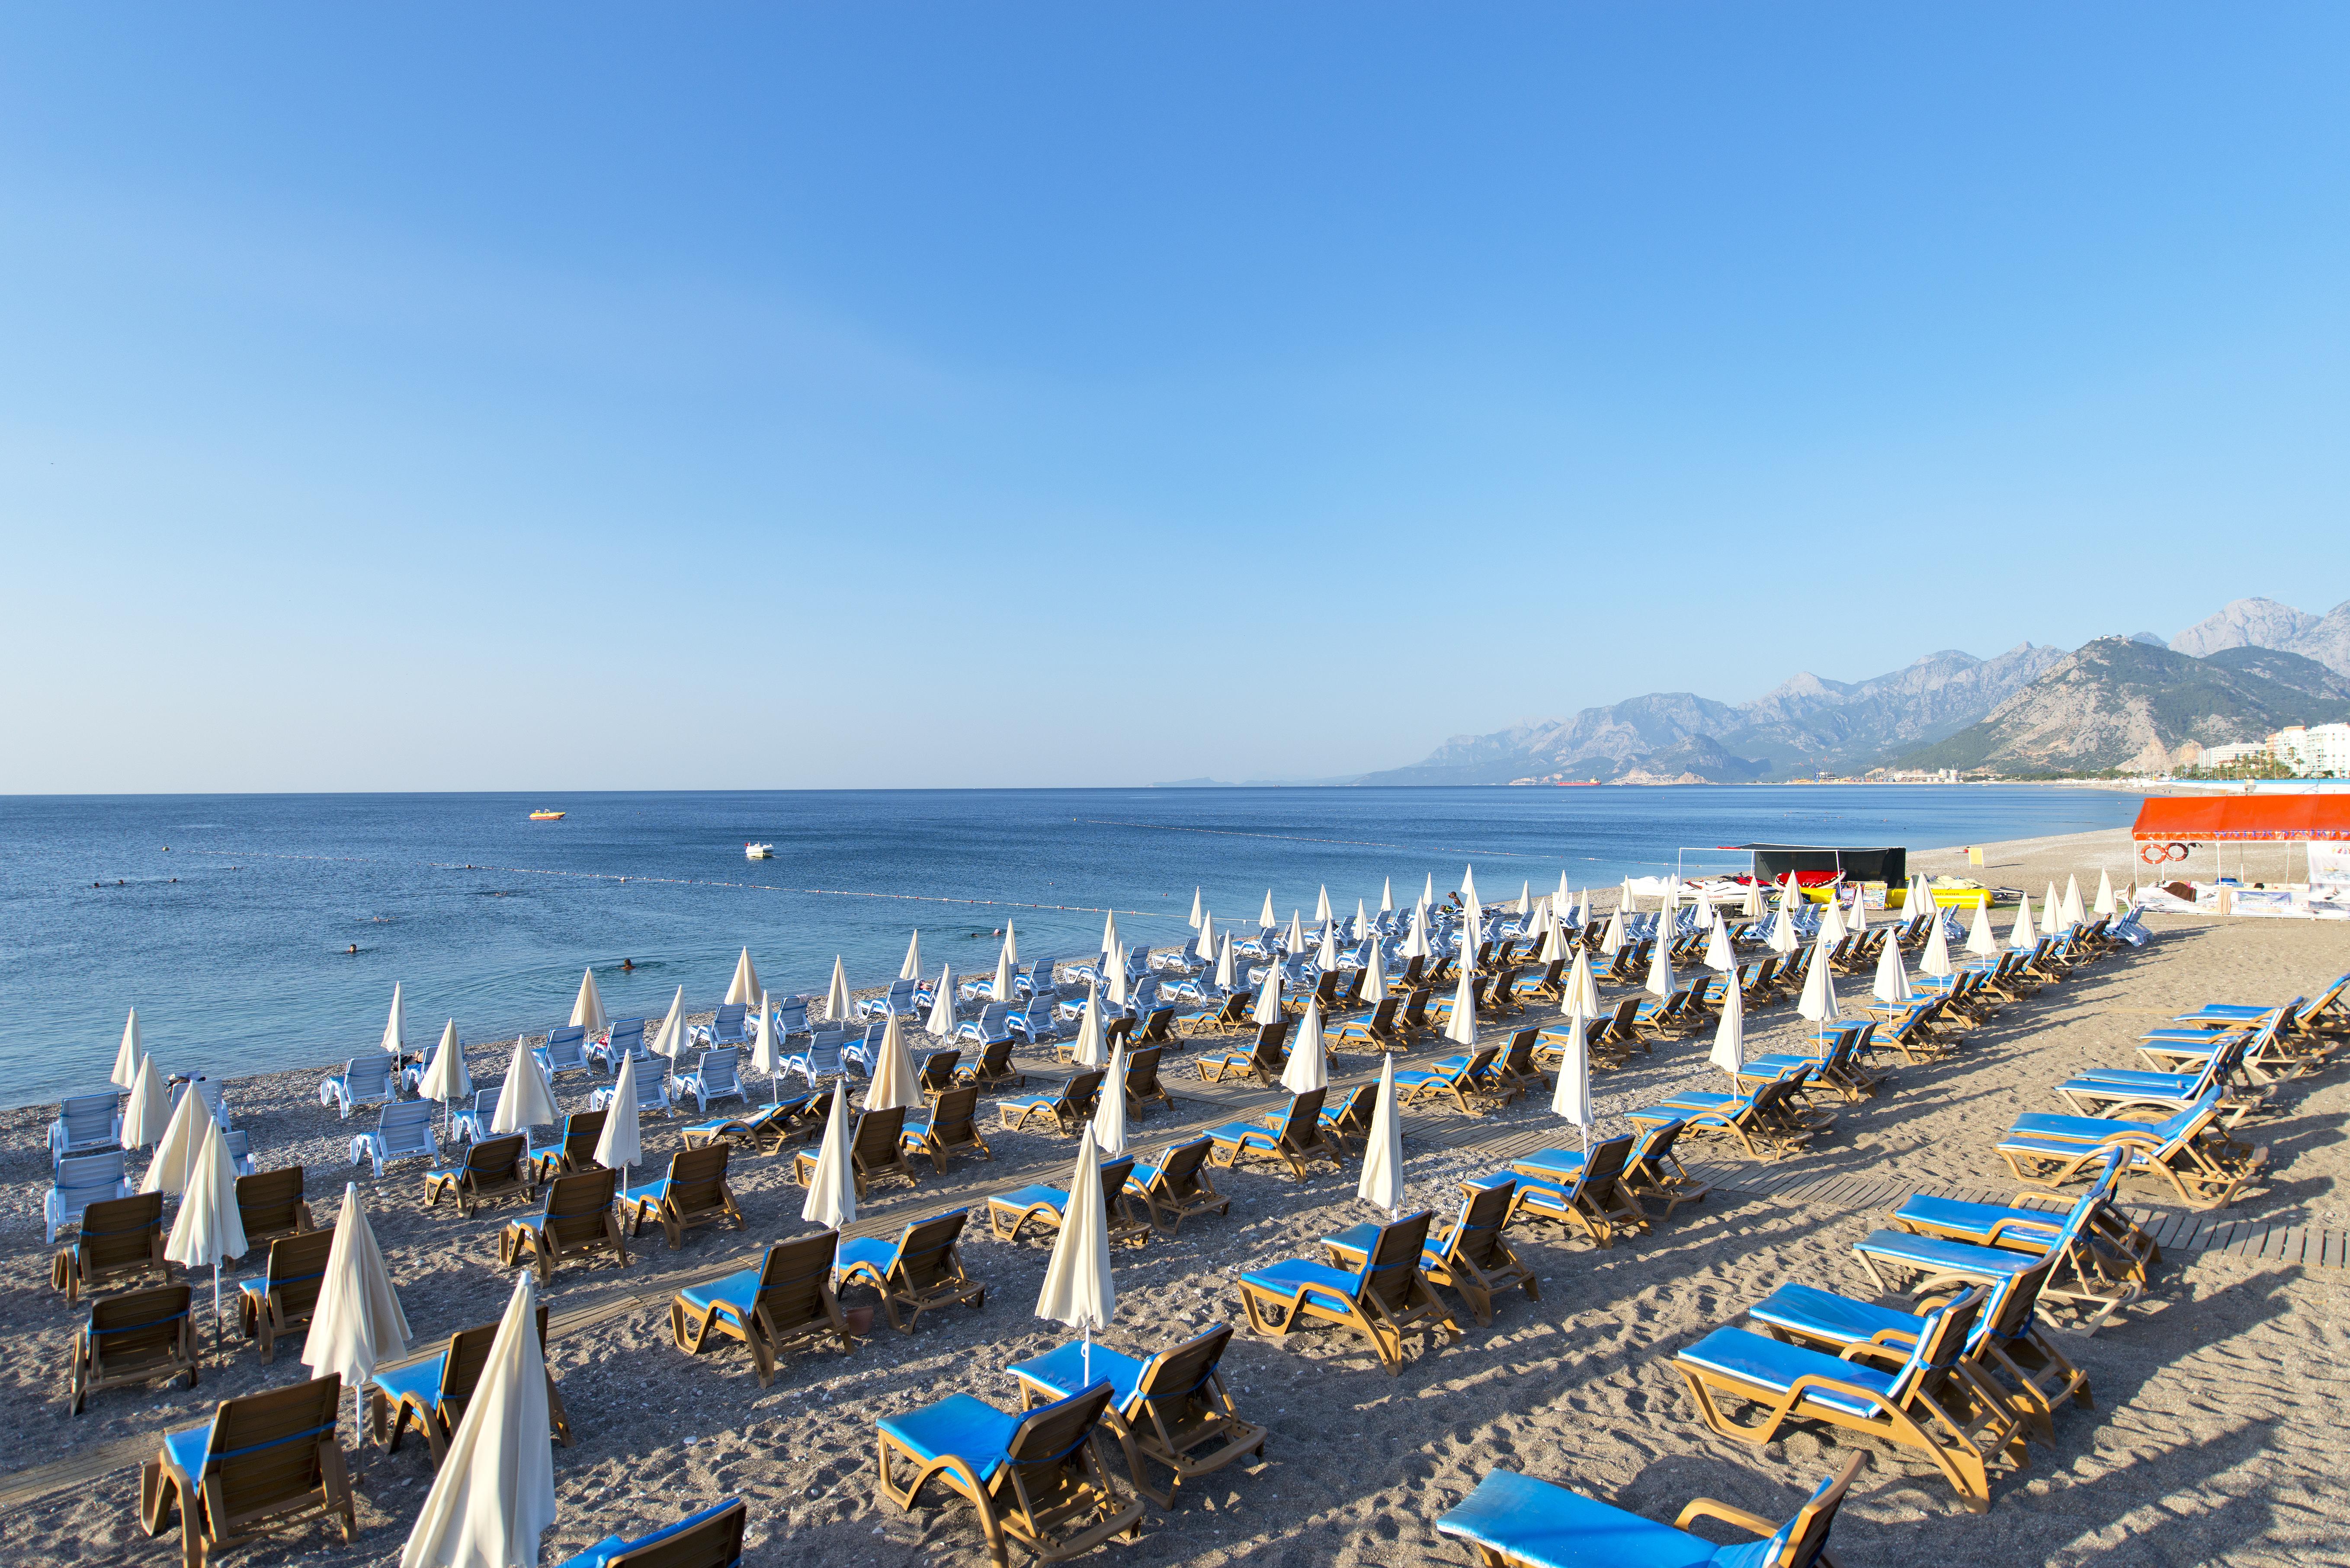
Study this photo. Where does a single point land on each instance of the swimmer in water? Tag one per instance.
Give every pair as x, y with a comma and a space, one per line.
352, 948
628, 963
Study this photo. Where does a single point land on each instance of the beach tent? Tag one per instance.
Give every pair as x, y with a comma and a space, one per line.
744, 989
126, 1055
941, 1021
1382, 1182
831, 1195
358, 1324
395, 1028
912, 968
2168, 827
493, 1494
587, 1007
1078, 1291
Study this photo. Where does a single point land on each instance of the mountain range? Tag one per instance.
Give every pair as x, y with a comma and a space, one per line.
2117, 702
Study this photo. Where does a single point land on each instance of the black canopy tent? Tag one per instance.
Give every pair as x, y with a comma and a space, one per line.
1889, 864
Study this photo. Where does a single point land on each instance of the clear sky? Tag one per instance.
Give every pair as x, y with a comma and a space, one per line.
530, 396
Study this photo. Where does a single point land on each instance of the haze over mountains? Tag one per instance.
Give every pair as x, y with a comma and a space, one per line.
2117, 702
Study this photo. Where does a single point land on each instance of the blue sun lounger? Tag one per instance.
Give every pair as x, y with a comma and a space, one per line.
1517, 1519
711, 1539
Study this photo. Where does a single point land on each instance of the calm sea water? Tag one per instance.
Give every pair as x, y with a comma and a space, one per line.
224, 919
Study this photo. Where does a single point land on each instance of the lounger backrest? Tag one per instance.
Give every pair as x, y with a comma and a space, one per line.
485, 1101
1518, 1062
266, 1200
1945, 1336
696, 1176
1267, 1054
1477, 1233
1655, 1146
1082, 1090
1049, 1437
577, 1202
938, 1070
297, 1268
1480, 1062
266, 1449
1393, 1260
952, 1117
729, 1017
405, 1128
462, 1362
1304, 1127
1803, 1541
494, 1157
1174, 1380
118, 1231
150, 1319
711, 1539
718, 1069
1606, 1162
995, 1021
792, 1280
996, 1060
367, 1077
877, 1136
582, 1131
83, 1177
926, 1252
627, 1038
89, 1118
1142, 1071
1114, 1173
2182, 1128
1178, 1168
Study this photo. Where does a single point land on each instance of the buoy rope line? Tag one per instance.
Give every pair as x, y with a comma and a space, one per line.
1362, 843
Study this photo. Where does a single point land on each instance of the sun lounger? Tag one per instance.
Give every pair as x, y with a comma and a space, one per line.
1468, 1256
364, 1081
1586, 1191
121, 1241
1009, 1213
935, 1074
1383, 1300
875, 1150
993, 1069
993, 1026
784, 1299
923, 1270
1142, 1086
573, 1148
79, 1181
280, 1302
652, 1091
1375, 1030
2103, 1270
1346, 1120
694, 1194
1295, 1141
433, 1391
709, 1539
1932, 1402
716, 1079
491, 1169
575, 1221
403, 1131
1176, 1186
1511, 1519
951, 1123
1746, 1118
472, 1125
265, 1462
897, 1002
1175, 1407
137, 1337
86, 1124
270, 1205
624, 1040
564, 1051
824, 1057
769, 1129
1037, 1478
1229, 1015
1263, 1059
2203, 1165
1461, 1077
1070, 1107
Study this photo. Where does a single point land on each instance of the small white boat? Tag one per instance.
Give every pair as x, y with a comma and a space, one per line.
758, 852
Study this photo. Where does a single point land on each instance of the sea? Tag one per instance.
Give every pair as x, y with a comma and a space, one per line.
229, 921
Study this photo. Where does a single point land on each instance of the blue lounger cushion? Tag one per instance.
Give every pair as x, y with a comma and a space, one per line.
1841, 1318
1245, 1135
1765, 1363
1949, 1257
1564, 1163
419, 1379
1031, 1196
650, 1192
1318, 1280
611, 1546
971, 1429
1062, 1371
188, 1449
2173, 1085
1545, 1526
2081, 1129
1029, 1102
736, 1290
1977, 1218
2230, 1012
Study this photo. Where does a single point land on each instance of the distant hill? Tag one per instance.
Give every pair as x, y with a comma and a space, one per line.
2119, 703
2264, 623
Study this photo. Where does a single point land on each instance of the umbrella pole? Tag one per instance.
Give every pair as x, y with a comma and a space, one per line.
1086, 1355
217, 1343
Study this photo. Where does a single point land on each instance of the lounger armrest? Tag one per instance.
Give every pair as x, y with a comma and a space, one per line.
1706, 1507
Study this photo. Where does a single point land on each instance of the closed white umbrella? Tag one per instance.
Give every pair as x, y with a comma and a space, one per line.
523, 1099
1116, 965
1981, 941
1266, 919
2052, 911
1469, 889
837, 1008
912, 968
1473, 932
1387, 895
1328, 957
767, 1060
744, 988
1295, 942
1204, 948
358, 1324
1088, 1052
1611, 940
1719, 955
1554, 946
1011, 944
1362, 920
1004, 962
1109, 1107
1782, 938
1227, 968
1832, 919
395, 1028
2074, 915
1375, 977
1582, 989
618, 1147
445, 1077
1109, 933
893, 1082
183, 1140
2104, 906
1306, 1071
832, 1194
1729, 1051
126, 1055
1197, 909
147, 1111
1322, 905
1268, 996
210, 1227
1427, 890
2022, 937
1415, 943
1526, 899
941, 1021
1382, 1179
1661, 957
1572, 1097
668, 1040
1892, 978
1751, 908
1936, 959
1624, 899
1564, 900
1856, 916
1077, 1287
1583, 910
1818, 1001
1461, 1028
493, 1494
587, 1007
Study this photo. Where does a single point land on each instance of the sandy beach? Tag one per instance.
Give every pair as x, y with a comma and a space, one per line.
2214, 1437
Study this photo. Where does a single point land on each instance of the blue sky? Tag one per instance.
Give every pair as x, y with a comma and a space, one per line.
599, 397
